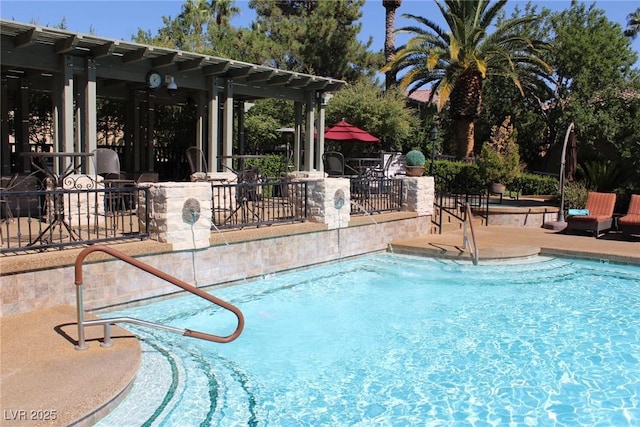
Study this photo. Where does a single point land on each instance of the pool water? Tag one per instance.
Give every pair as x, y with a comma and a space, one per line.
392, 340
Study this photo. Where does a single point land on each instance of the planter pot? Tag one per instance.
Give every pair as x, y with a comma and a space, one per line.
415, 170
497, 188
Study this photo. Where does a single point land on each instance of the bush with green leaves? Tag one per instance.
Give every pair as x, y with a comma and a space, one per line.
530, 184
575, 195
499, 160
605, 176
271, 166
415, 158
457, 177
463, 177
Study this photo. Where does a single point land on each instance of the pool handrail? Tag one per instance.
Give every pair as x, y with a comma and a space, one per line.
473, 250
107, 322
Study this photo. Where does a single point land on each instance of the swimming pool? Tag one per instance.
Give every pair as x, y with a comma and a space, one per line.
398, 340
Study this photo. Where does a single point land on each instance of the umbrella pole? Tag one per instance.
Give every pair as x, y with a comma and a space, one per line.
560, 224
562, 178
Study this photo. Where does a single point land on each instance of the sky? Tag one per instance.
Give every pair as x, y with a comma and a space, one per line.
121, 20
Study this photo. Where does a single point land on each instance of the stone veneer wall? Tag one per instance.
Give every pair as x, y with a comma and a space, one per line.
114, 282
523, 216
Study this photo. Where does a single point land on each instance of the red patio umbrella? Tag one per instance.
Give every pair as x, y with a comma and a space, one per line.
343, 131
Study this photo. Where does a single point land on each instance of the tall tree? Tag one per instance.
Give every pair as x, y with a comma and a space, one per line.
316, 37
593, 84
633, 24
383, 114
202, 26
458, 59
390, 7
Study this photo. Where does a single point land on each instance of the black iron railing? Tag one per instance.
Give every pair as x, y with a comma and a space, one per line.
238, 205
36, 220
452, 197
375, 195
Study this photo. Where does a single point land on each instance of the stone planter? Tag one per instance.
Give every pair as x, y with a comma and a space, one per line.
415, 170
497, 188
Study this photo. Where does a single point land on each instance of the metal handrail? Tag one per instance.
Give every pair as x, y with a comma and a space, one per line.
473, 251
160, 274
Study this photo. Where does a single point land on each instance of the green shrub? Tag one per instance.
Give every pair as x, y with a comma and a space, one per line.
415, 158
271, 166
457, 177
463, 177
530, 184
605, 176
575, 195
499, 160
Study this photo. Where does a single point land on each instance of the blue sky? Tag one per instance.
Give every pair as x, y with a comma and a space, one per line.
121, 19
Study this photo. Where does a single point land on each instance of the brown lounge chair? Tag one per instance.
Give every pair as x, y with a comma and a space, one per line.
600, 217
630, 223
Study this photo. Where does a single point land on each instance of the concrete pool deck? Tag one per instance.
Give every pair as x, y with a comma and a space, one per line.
43, 375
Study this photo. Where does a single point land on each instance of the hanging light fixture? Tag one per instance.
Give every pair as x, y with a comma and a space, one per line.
172, 87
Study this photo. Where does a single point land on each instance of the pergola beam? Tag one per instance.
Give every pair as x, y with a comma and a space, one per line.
67, 44
135, 55
164, 60
103, 50
216, 69
26, 38
190, 65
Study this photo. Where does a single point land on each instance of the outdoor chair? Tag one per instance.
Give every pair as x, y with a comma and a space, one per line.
334, 165
597, 214
6, 214
6, 184
197, 164
630, 223
247, 193
23, 206
107, 165
199, 167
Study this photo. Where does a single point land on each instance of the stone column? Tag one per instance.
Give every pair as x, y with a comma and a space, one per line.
418, 195
329, 198
179, 213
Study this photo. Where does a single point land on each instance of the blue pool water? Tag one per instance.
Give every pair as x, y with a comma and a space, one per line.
390, 340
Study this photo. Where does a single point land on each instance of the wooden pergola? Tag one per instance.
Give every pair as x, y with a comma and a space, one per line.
77, 69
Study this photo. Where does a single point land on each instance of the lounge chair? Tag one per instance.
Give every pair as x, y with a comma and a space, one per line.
630, 223
599, 214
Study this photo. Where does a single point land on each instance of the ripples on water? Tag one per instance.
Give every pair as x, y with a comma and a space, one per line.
395, 340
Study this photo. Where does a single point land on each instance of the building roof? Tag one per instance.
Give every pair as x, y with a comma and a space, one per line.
114, 55
421, 96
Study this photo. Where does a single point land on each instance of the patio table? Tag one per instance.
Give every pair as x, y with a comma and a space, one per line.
74, 162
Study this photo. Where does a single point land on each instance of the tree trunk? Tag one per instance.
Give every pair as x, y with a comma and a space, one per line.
465, 131
389, 38
465, 105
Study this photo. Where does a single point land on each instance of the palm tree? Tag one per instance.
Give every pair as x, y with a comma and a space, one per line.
390, 7
224, 10
633, 24
456, 60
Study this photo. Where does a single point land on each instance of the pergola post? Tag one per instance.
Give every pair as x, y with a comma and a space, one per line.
321, 125
212, 121
309, 160
227, 124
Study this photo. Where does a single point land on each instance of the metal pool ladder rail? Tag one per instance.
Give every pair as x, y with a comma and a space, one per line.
160, 274
473, 250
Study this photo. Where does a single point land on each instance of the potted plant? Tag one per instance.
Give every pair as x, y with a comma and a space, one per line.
415, 163
499, 160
